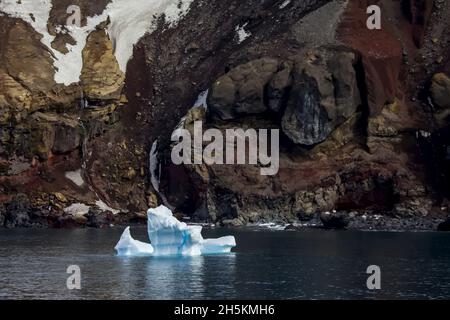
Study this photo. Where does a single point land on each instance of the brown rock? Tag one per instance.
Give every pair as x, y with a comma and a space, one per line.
241, 91
101, 76
27, 60
61, 41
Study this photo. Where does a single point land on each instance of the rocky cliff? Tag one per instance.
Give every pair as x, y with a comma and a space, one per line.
363, 114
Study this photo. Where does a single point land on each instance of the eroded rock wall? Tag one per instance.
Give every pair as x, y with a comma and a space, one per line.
363, 117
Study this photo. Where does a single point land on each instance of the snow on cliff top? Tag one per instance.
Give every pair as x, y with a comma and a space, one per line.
130, 20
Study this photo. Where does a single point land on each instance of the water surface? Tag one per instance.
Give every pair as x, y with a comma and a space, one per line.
312, 264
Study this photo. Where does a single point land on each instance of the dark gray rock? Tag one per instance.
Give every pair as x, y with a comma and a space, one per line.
324, 95
337, 220
201, 214
222, 97
18, 212
67, 138
440, 90
346, 91
99, 219
444, 226
2, 216
278, 88
65, 221
306, 120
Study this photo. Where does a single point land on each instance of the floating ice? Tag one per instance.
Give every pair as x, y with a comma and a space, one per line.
128, 247
170, 237
221, 245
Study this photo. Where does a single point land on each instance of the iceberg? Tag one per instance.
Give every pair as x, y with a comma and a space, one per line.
128, 247
170, 237
221, 245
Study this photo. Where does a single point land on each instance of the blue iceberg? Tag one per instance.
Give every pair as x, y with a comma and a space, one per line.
170, 237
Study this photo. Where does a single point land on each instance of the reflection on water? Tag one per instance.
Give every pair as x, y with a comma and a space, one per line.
312, 264
146, 276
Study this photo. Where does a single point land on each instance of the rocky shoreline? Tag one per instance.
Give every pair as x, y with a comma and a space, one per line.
20, 214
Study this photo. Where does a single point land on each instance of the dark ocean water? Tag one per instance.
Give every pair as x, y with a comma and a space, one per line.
312, 264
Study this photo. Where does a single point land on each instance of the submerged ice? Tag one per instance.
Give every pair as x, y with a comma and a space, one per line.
169, 236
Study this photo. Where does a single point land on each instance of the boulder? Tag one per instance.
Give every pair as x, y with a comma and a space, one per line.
241, 91
99, 219
306, 120
323, 96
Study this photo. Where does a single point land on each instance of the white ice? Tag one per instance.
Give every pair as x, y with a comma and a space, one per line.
128, 247
221, 245
170, 237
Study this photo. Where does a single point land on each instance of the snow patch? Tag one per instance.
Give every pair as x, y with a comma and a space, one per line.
104, 207
77, 209
153, 166
202, 100
272, 226
285, 4
242, 34
130, 20
75, 177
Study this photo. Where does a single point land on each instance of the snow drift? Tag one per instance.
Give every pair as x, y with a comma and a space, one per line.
170, 237
130, 21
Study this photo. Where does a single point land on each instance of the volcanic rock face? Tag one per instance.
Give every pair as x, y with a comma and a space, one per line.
311, 97
363, 114
101, 77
